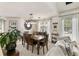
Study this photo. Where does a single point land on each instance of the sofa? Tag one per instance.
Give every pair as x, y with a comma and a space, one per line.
64, 47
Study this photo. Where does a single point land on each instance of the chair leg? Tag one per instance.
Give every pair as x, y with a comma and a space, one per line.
38, 48
27, 46
32, 48
43, 50
47, 46
23, 43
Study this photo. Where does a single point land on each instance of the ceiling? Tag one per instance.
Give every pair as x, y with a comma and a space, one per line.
61, 6
38, 9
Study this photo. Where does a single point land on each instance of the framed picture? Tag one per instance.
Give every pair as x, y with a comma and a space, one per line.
12, 24
55, 26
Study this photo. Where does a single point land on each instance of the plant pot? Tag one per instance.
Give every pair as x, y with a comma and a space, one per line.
11, 47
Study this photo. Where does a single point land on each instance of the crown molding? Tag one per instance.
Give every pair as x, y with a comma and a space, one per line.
74, 9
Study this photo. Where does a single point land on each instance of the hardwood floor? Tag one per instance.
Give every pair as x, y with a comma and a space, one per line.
24, 52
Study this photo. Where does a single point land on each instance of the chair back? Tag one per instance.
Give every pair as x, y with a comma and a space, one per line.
28, 38
45, 40
46, 37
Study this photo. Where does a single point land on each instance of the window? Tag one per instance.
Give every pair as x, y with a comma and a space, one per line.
43, 28
12, 24
1, 25
68, 25
78, 24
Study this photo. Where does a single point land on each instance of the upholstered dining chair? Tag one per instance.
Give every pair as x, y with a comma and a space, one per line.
30, 41
44, 42
24, 37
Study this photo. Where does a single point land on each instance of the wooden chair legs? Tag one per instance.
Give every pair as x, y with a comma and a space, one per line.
47, 46
32, 48
23, 44
43, 50
38, 48
27, 46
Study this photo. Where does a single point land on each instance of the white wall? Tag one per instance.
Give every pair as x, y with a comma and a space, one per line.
20, 24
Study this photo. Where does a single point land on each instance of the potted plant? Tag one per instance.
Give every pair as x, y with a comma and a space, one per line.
8, 40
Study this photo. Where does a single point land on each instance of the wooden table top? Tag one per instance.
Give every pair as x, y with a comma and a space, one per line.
38, 37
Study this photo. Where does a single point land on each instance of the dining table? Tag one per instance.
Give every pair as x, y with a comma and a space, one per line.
38, 38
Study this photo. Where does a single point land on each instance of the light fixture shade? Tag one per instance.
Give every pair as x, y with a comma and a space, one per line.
28, 24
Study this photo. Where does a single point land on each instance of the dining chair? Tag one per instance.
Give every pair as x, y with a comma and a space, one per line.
30, 41
44, 42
